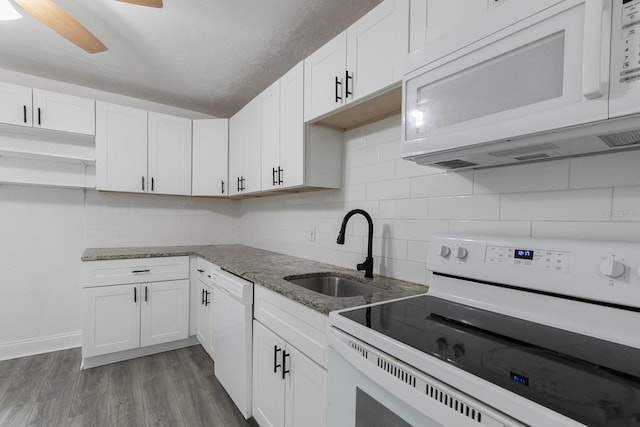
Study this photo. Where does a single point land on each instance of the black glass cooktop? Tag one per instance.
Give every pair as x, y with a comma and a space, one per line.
593, 381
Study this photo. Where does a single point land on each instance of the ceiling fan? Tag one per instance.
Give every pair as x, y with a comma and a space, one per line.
53, 16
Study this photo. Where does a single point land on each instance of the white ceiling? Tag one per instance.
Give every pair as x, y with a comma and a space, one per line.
211, 56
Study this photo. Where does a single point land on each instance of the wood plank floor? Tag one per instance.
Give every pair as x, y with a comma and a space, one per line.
176, 388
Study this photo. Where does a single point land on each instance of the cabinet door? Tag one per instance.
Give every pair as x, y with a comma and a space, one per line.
164, 312
324, 75
268, 386
15, 104
210, 157
204, 316
237, 141
111, 319
169, 154
270, 135
292, 140
306, 391
252, 151
376, 48
121, 148
57, 111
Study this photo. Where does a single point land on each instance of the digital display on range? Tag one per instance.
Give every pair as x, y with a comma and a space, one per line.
523, 254
519, 379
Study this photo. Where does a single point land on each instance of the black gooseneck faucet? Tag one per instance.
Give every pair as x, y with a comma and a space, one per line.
367, 265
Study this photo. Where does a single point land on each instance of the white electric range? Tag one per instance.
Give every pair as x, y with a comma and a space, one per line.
512, 332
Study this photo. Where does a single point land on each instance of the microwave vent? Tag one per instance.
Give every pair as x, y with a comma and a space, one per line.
525, 150
455, 164
532, 157
621, 139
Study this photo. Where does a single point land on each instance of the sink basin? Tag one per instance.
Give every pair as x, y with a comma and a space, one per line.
333, 286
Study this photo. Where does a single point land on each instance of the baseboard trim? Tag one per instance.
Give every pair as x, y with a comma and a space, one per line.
15, 349
105, 359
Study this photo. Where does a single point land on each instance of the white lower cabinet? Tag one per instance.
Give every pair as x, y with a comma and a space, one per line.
131, 305
123, 317
288, 388
205, 317
164, 314
111, 319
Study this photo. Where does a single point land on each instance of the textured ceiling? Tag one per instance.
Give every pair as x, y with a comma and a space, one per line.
211, 56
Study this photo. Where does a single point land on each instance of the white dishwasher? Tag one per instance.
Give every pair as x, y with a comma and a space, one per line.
232, 336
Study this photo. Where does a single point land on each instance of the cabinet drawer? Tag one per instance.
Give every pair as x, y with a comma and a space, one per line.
138, 270
301, 326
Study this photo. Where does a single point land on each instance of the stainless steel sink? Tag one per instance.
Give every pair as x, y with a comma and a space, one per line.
333, 286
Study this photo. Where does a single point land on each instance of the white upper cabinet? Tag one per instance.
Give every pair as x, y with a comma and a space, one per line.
210, 157
325, 71
121, 148
237, 140
292, 137
244, 149
15, 105
270, 123
366, 58
376, 48
23, 106
66, 113
142, 152
252, 149
431, 19
283, 139
169, 154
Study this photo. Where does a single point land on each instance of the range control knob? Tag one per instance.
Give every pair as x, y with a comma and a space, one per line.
610, 267
442, 344
461, 253
445, 251
458, 350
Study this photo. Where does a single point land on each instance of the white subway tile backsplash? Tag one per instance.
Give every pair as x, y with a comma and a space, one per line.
587, 230
417, 251
409, 169
626, 204
606, 170
484, 207
443, 184
544, 176
418, 229
383, 190
404, 270
404, 208
572, 205
498, 228
381, 171
389, 248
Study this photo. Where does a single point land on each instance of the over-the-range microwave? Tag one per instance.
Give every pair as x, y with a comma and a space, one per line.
531, 80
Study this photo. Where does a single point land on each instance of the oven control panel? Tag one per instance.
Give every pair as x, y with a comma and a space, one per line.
542, 259
592, 270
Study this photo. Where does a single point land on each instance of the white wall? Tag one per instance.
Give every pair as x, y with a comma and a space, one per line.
44, 232
595, 197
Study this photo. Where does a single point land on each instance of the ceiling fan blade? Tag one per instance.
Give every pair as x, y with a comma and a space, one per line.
54, 17
150, 3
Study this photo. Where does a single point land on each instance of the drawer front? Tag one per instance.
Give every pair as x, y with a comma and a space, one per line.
138, 270
301, 326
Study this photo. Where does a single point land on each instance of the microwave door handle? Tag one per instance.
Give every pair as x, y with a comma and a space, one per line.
594, 14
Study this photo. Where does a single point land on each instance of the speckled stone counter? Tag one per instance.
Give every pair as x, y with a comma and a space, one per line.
268, 269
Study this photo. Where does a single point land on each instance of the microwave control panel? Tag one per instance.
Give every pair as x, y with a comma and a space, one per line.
624, 83
630, 39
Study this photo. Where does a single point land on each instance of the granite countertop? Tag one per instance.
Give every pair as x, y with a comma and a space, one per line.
268, 269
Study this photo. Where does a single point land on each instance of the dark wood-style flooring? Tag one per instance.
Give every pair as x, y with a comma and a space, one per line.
176, 388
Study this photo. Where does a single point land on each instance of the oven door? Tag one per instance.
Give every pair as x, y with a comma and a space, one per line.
546, 72
368, 388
